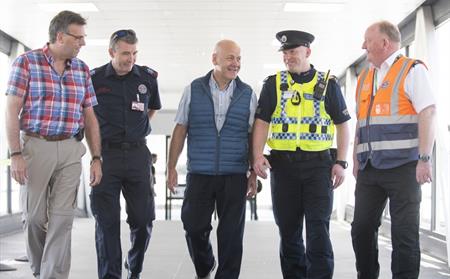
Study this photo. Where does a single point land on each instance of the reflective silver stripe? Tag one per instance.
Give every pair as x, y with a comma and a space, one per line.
385, 120
394, 95
362, 147
388, 145
358, 90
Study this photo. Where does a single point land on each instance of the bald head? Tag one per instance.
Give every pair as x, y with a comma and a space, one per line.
381, 40
225, 45
226, 59
389, 30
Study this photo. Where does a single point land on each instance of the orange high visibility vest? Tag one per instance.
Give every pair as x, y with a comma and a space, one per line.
387, 121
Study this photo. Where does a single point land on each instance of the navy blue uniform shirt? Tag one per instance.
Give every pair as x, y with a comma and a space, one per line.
115, 95
334, 101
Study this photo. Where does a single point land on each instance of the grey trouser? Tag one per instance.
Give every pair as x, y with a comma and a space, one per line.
54, 169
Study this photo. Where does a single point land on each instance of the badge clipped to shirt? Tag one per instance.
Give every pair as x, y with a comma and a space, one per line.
287, 94
137, 105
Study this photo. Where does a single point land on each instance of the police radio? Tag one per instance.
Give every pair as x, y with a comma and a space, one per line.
320, 87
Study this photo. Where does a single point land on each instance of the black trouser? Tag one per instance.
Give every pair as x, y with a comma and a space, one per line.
301, 188
126, 170
203, 194
373, 187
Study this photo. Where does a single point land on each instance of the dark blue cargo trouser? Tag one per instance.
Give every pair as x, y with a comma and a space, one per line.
126, 170
373, 188
227, 194
302, 189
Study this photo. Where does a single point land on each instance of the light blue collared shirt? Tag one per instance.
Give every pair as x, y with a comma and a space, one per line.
221, 100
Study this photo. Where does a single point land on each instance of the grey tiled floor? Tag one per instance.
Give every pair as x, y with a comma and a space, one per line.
167, 256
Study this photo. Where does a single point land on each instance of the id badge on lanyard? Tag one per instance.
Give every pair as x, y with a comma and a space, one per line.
137, 105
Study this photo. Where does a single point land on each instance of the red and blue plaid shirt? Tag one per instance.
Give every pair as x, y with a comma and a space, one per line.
52, 103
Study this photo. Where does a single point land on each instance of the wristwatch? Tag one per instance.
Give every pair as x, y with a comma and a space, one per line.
343, 164
96, 157
424, 157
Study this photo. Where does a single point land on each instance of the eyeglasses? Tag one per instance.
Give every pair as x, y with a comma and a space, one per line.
78, 38
122, 33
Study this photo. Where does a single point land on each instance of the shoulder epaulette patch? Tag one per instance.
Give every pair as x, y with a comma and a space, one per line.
152, 72
417, 62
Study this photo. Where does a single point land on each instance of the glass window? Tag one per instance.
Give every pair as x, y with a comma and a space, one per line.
443, 88
425, 206
4, 73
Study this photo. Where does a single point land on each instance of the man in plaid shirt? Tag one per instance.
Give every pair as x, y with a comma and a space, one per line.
50, 100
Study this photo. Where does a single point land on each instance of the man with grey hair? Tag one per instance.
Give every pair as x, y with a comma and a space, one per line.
50, 102
128, 98
392, 156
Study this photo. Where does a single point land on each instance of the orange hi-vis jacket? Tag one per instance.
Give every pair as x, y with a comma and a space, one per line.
387, 121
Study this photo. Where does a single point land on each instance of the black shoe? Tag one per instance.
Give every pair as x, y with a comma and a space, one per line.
22, 259
130, 274
208, 276
125, 263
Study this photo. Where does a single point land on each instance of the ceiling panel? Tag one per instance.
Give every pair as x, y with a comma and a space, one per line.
176, 37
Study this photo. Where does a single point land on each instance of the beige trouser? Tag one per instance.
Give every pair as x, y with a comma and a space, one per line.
54, 169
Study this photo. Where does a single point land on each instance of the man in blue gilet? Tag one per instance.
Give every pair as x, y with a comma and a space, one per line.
216, 114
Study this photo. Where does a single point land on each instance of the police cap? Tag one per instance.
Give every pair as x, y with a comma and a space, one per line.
293, 38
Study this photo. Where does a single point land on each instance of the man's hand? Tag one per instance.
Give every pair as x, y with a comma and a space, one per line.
95, 173
260, 166
172, 179
424, 172
251, 185
19, 169
337, 175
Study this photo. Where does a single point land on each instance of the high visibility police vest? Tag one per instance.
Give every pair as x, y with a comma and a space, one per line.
387, 121
300, 120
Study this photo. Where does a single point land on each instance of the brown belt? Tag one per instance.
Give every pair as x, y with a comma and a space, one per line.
48, 138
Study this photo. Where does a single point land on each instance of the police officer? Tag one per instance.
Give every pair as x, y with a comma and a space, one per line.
127, 97
301, 108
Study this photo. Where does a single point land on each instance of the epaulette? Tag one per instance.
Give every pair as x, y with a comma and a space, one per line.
267, 78
92, 72
333, 77
417, 62
152, 72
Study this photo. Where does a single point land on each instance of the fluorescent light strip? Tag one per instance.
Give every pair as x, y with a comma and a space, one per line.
313, 7
75, 7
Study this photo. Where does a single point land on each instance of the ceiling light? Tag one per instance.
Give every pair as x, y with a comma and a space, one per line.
75, 7
314, 7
